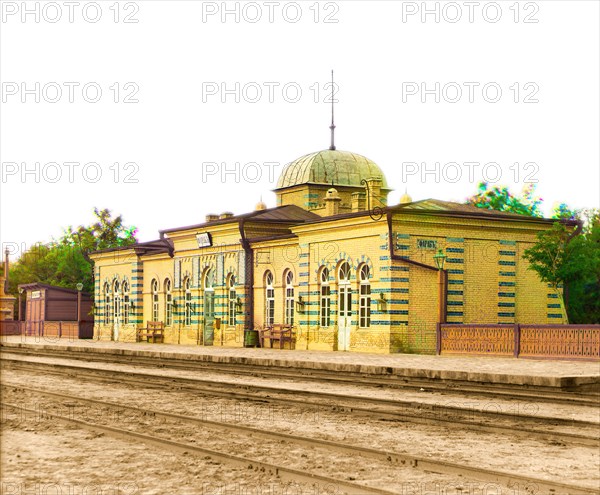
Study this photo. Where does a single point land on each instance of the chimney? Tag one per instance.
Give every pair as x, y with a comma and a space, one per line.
332, 202
211, 217
375, 199
359, 201
226, 214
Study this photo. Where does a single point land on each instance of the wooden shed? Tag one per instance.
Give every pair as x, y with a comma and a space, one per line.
57, 312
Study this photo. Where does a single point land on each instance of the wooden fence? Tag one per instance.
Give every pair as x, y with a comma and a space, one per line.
11, 327
51, 329
526, 341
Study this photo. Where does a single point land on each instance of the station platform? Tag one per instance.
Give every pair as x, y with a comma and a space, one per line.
560, 374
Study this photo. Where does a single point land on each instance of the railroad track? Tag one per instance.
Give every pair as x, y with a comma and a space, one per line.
540, 394
284, 473
525, 484
394, 410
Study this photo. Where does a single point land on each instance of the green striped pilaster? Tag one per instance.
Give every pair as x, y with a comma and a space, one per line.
507, 269
455, 267
553, 305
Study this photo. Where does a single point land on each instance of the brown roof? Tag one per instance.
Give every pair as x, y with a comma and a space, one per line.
292, 214
151, 247
449, 207
283, 214
39, 285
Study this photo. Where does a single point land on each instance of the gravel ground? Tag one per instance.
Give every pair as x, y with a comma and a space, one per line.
52, 458
578, 465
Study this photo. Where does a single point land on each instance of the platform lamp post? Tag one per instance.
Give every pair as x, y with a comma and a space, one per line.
79, 289
439, 259
21, 290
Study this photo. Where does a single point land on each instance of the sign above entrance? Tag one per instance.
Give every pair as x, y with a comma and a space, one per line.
204, 239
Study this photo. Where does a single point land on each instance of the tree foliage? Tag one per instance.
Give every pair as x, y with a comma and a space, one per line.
501, 199
562, 260
583, 300
65, 262
106, 232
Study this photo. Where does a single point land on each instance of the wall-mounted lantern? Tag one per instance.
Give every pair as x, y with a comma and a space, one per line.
238, 306
381, 302
300, 304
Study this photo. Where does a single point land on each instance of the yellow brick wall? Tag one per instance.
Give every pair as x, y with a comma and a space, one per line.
488, 281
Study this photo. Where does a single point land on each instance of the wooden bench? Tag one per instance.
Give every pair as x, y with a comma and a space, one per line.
278, 332
154, 332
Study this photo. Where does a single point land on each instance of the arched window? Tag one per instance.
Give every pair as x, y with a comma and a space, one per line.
365, 298
209, 279
231, 300
188, 302
344, 273
117, 302
168, 303
269, 300
106, 303
325, 300
154, 290
289, 298
126, 303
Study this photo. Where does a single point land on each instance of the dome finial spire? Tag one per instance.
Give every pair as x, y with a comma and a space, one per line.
332, 126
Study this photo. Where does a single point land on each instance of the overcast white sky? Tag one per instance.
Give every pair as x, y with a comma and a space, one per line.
180, 56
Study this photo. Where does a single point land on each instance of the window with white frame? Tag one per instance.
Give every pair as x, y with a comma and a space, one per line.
289, 298
365, 298
269, 300
188, 302
154, 290
106, 303
126, 303
232, 299
168, 303
117, 302
325, 299
209, 301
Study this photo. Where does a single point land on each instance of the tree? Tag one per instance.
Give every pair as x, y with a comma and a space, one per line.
583, 295
501, 199
556, 260
106, 232
65, 262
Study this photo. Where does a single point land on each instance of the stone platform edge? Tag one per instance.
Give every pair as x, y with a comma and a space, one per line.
431, 374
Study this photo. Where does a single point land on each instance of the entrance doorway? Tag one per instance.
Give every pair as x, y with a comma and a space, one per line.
209, 308
344, 307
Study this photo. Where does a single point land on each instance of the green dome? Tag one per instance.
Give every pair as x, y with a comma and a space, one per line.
343, 168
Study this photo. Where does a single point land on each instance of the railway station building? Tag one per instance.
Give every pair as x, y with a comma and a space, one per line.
332, 259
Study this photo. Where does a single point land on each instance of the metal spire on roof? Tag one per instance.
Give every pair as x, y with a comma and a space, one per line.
332, 126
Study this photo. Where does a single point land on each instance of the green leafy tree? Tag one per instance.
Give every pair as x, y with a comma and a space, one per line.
106, 232
556, 260
583, 294
501, 199
65, 262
